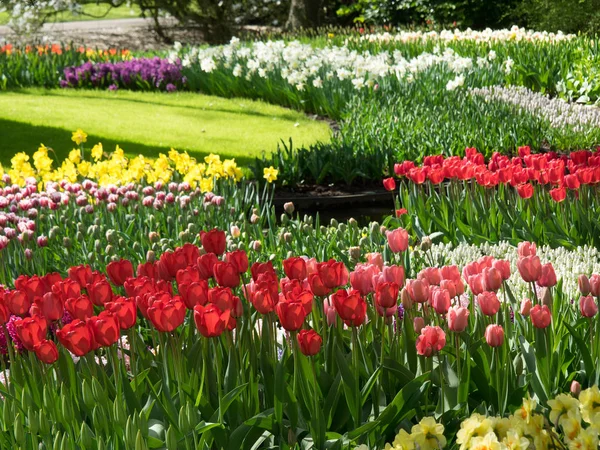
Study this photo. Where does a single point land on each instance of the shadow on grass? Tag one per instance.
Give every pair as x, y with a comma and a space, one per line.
18, 137
285, 113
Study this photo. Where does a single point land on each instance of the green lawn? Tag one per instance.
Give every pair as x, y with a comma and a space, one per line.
91, 12
149, 123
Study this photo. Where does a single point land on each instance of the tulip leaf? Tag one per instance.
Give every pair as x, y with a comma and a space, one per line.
403, 404
585, 353
349, 383
530, 361
227, 400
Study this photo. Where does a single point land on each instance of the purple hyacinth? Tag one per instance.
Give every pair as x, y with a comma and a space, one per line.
136, 74
12, 331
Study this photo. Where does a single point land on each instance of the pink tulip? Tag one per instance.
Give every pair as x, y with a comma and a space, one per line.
451, 273
418, 290
584, 284
526, 249
440, 300
575, 388
450, 286
397, 240
418, 324
548, 276
493, 279
393, 274
376, 259
530, 268
540, 316
595, 285
588, 306
503, 266
476, 283
431, 274
329, 311
361, 278
494, 335
489, 303
458, 319
407, 301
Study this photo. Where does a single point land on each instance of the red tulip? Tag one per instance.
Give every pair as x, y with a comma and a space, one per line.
226, 274
51, 307
190, 252
397, 240
170, 263
210, 320
333, 273
309, 342
238, 259
264, 301
194, 293
213, 241
188, 275
386, 294
295, 268
100, 292
316, 285
77, 337
167, 313
572, 182
147, 269
350, 306
588, 306
540, 316
458, 319
105, 328
530, 268
259, 268
33, 287
31, 330
125, 310
431, 340
81, 274
558, 194
80, 307
389, 184
119, 271
4, 312
17, 302
494, 335
206, 264
291, 315
489, 303
525, 190
221, 297
46, 351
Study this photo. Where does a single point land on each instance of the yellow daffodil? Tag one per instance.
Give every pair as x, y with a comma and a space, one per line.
428, 434
97, 151
514, 441
590, 403
270, 174
75, 156
79, 136
562, 405
475, 426
402, 441
586, 440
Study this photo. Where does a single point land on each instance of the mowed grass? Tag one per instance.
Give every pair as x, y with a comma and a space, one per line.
149, 123
90, 12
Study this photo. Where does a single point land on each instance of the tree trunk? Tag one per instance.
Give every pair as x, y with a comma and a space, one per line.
303, 14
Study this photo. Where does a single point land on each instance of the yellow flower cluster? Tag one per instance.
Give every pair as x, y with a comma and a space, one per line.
117, 169
574, 424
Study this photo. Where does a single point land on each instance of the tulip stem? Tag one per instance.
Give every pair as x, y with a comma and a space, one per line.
355, 358
457, 341
219, 387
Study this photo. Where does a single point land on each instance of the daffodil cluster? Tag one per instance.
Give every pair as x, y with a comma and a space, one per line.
572, 423
117, 169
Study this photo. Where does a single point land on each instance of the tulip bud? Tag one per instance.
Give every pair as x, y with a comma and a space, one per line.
235, 231
426, 243
256, 246
546, 297
289, 208
88, 398
354, 253
53, 232
352, 222
32, 418
28, 254
584, 285
518, 363
333, 223
66, 242
287, 237
140, 442
79, 236
150, 256
109, 249
575, 388
19, 431
111, 236
153, 236
418, 324
525, 307
171, 439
